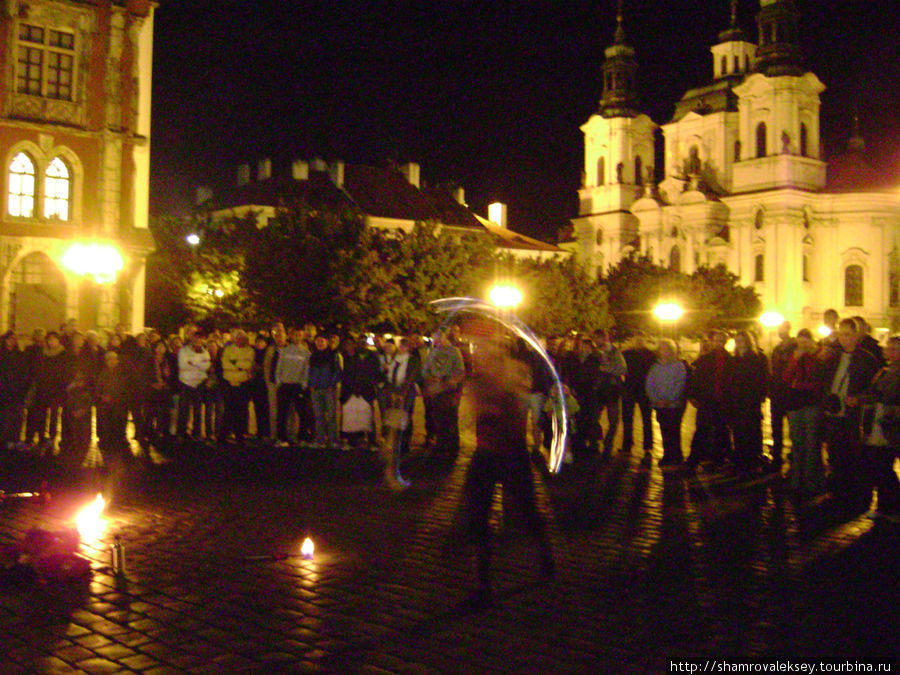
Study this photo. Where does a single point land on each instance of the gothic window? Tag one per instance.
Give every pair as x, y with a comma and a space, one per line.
737, 63
675, 259
601, 171
45, 62
759, 267
21, 186
853, 286
57, 190
805, 267
746, 62
803, 140
761, 140
724, 64
759, 220
638, 171
737, 151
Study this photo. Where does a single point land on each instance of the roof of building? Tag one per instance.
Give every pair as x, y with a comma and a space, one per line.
851, 172
714, 97
513, 240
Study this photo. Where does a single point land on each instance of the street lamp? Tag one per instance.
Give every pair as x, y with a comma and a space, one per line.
505, 296
668, 311
771, 319
193, 239
100, 261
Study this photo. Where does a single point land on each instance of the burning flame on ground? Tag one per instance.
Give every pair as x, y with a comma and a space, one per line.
89, 523
307, 549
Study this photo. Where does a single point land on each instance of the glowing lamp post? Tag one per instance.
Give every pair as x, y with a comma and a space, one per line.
505, 296
100, 261
771, 320
668, 311
193, 239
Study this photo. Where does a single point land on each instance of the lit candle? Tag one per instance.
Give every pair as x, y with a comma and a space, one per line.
307, 549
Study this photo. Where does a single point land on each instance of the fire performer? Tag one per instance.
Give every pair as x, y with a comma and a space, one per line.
500, 386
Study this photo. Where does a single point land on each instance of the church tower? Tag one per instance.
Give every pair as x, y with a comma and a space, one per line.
618, 161
779, 110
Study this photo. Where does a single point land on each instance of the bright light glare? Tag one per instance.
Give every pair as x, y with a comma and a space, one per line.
101, 261
771, 319
219, 293
668, 311
89, 523
307, 549
823, 330
193, 239
503, 295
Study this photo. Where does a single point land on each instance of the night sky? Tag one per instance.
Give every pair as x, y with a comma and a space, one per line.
489, 94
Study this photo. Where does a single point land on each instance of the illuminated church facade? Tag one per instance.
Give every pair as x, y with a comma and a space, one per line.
745, 182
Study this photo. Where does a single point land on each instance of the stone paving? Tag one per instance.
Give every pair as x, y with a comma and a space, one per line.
652, 567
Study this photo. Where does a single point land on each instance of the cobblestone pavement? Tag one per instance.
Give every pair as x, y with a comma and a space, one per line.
652, 567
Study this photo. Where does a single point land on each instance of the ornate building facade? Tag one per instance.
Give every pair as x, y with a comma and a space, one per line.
744, 182
75, 142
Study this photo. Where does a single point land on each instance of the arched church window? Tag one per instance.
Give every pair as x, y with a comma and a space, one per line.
894, 283
737, 151
724, 67
759, 220
746, 62
853, 286
803, 139
805, 267
21, 186
675, 259
759, 267
693, 162
638, 171
601, 171
761, 150
737, 63
57, 190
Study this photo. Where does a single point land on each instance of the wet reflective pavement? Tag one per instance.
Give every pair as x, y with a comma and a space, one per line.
652, 567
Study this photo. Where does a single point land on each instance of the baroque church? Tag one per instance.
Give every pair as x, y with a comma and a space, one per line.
744, 182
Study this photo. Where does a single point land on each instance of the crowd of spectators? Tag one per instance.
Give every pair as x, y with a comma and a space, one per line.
840, 396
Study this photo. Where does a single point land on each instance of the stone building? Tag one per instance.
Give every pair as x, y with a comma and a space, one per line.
75, 142
744, 181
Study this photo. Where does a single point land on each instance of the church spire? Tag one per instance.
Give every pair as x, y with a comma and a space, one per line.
733, 33
619, 97
779, 36
856, 143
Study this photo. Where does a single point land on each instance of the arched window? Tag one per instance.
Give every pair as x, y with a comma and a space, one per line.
675, 259
853, 286
57, 190
737, 63
759, 267
805, 267
724, 65
638, 171
21, 186
761, 140
803, 140
601, 171
737, 151
894, 283
746, 62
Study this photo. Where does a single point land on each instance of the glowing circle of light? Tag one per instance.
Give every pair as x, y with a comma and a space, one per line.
823, 330
101, 261
771, 319
193, 239
454, 306
307, 549
505, 295
668, 311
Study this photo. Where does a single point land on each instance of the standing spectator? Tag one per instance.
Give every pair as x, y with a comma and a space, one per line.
884, 440
638, 360
270, 363
848, 374
402, 391
830, 319
779, 390
386, 350
112, 414
237, 366
869, 343
582, 372
35, 420
77, 417
14, 384
211, 394
422, 349
159, 413
173, 349
292, 381
612, 377
746, 391
193, 368
51, 378
665, 388
259, 393
324, 378
443, 376
138, 362
802, 378
360, 376
539, 390
708, 391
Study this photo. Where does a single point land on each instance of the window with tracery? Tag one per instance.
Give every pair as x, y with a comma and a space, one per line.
20, 199
57, 190
853, 286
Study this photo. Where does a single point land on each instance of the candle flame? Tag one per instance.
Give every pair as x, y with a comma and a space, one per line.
307, 549
88, 521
